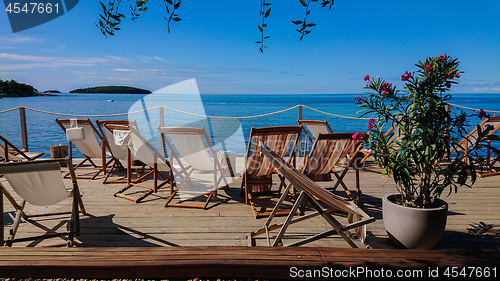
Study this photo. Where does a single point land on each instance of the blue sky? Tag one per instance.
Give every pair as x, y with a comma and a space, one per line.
214, 43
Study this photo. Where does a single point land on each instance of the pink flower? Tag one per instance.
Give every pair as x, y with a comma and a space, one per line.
371, 124
385, 87
367, 77
359, 98
457, 75
442, 57
357, 137
483, 114
406, 76
428, 67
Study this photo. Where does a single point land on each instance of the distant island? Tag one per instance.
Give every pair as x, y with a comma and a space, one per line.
111, 90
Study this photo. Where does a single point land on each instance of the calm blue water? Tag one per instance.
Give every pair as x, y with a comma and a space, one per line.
43, 131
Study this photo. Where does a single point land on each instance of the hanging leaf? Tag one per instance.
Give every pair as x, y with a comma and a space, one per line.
267, 13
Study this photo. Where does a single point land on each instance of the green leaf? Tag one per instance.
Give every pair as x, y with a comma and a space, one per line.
267, 13
297, 21
260, 28
177, 19
177, 5
170, 2
303, 3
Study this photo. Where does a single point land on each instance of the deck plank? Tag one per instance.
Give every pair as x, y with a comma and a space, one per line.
122, 239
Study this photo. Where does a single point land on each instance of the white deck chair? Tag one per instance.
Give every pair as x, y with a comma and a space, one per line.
40, 183
314, 127
139, 148
118, 152
9, 152
314, 193
87, 139
187, 143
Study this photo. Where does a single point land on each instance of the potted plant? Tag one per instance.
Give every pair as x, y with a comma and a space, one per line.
424, 133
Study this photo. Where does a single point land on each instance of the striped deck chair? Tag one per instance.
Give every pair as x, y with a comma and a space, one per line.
118, 153
327, 152
357, 219
40, 183
139, 148
87, 139
9, 152
463, 147
257, 177
189, 150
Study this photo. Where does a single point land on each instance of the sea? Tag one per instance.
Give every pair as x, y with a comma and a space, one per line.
230, 117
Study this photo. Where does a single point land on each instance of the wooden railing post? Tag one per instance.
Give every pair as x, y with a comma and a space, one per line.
300, 140
162, 124
24, 130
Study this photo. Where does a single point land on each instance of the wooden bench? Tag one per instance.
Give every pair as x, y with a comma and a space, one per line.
234, 262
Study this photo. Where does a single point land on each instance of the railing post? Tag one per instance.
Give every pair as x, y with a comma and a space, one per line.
24, 130
300, 139
162, 124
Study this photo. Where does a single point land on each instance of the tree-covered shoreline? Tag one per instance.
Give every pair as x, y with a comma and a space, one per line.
13, 88
111, 90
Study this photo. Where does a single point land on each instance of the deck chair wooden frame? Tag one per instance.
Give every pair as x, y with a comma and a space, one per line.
464, 145
326, 152
9, 152
141, 149
259, 173
197, 137
118, 153
314, 194
41, 166
87, 146
312, 128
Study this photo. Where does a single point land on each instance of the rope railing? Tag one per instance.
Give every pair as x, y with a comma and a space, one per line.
184, 112
216, 117
474, 109
300, 107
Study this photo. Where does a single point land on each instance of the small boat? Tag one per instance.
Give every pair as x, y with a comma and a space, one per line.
109, 100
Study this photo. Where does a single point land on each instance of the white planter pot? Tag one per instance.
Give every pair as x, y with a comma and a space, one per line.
414, 228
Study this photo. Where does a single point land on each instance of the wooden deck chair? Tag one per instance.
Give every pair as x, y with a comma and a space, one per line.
326, 153
190, 144
257, 177
9, 152
139, 148
87, 139
118, 153
463, 147
40, 183
311, 129
357, 219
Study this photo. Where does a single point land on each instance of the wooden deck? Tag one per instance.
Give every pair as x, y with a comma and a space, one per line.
473, 224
